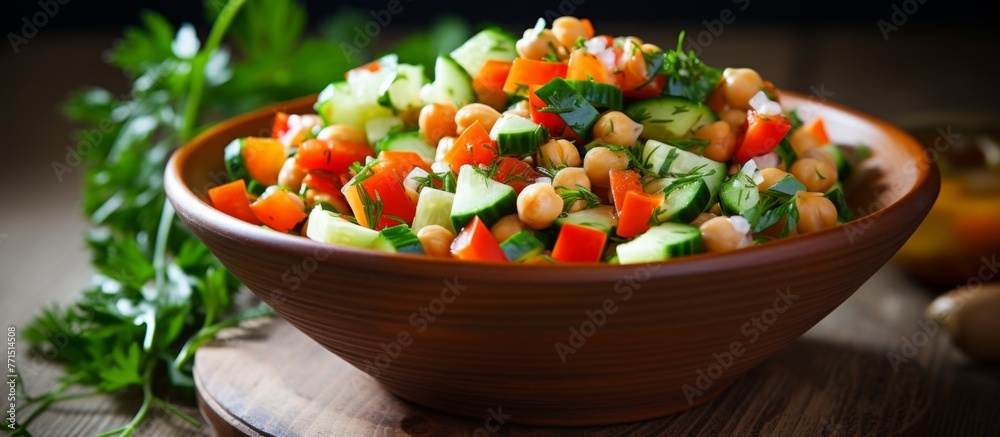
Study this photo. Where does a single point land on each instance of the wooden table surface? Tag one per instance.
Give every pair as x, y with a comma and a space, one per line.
42, 258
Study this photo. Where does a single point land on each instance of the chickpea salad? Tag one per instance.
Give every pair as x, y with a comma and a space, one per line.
562, 146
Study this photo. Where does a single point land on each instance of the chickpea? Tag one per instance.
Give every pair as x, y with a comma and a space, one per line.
815, 174
702, 218
568, 29
506, 227
722, 234
535, 45
771, 176
802, 142
816, 212
342, 132
520, 109
436, 241
819, 154
614, 127
538, 205
443, 146
291, 175
741, 85
473, 112
600, 161
299, 128
556, 154
572, 178
721, 141
437, 120
736, 118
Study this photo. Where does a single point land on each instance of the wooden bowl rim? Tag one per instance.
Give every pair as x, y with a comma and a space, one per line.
202, 214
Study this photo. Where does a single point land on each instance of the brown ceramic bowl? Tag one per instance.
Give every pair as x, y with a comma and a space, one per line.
569, 344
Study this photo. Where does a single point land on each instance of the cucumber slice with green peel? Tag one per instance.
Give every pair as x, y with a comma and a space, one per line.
669, 161
839, 200
785, 187
490, 43
434, 208
412, 141
399, 239
521, 246
235, 165
343, 103
517, 136
602, 218
379, 127
738, 194
478, 195
400, 91
661, 243
599, 94
840, 160
451, 84
684, 201
327, 227
669, 118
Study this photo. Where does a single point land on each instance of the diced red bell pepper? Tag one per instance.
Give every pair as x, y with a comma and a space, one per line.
489, 83
817, 128
552, 121
280, 125
475, 243
278, 211
386, 188
623, 182
579, 244
334, 156
716, 101
515, 173
526, 72
324, 182
232, 198
473, 147
636, 212
763, 135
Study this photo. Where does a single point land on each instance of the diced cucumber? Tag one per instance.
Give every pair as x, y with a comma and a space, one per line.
434, 208
785, 187
562, 99
451, 84
478, 195
660, 243
412, 141
401, 89
379, 127
599, 94
517, 136
670, 161
738, 194
684, 201
669, 118
839, 200
521, 246
490, 43
840, 160
235, 165
327, 227
399, 239
602, 218
343, 103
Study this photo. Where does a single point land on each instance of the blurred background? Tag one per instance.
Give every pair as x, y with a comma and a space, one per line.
928, 66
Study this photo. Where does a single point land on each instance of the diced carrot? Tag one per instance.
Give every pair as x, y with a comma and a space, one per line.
636, 211
526, 72
402, 162
488, 84
278, 211
264, 158
334, 156
473, 147
584, 66
817, 128
231, 198
623, 182
475, 243
579, 244
588, 27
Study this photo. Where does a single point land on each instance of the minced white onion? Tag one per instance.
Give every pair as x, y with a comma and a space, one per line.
595, 45
411, 179
440, 167
764, 106
767, 160
742, 226
544, 180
